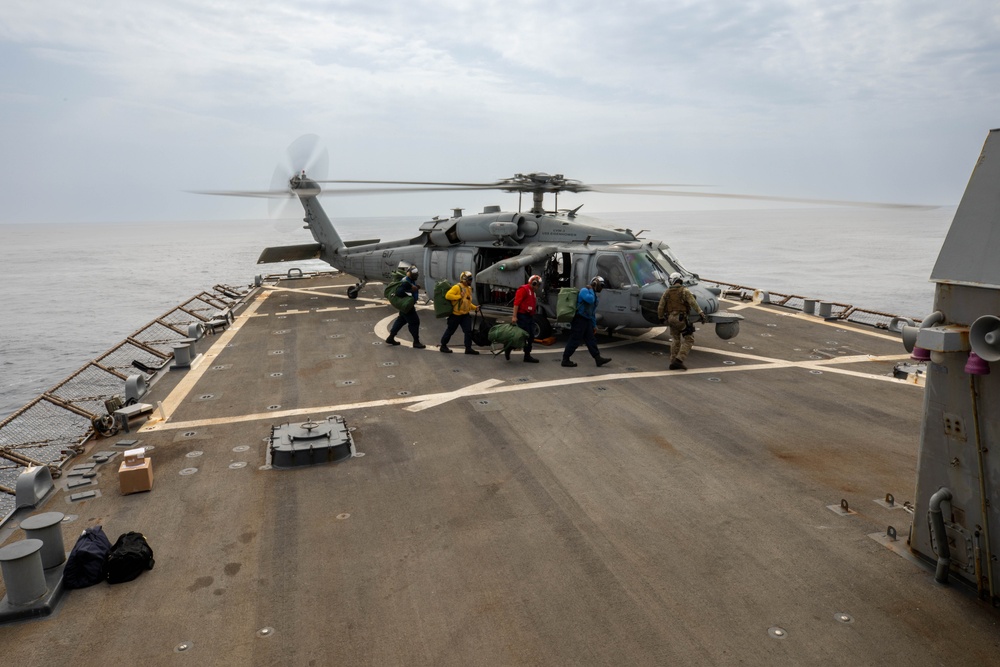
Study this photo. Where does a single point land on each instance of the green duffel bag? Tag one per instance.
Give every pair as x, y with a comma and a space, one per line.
442, 307
403, 304
508, 335
566, 305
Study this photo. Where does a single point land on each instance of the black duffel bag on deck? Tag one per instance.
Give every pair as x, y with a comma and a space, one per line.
85, 565
129, 557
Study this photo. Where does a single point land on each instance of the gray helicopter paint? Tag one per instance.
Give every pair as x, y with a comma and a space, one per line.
502, 249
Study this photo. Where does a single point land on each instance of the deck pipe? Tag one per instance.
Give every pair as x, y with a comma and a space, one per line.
940, 536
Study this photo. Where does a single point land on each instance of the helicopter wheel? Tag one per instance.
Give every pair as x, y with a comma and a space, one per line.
352, 292
543, 329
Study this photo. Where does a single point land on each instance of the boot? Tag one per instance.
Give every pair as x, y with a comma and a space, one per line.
469, 350
528, 359
446, 349
417, 345
506, 353
678, 365
568, 364
391, 340
602, 360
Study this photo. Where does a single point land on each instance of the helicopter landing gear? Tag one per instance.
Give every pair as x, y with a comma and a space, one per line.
543, 329
354, 290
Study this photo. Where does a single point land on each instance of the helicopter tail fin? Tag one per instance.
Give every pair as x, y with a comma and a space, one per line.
320, 226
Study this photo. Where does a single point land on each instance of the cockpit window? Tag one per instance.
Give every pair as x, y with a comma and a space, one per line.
643, 267
610, 268
666, 262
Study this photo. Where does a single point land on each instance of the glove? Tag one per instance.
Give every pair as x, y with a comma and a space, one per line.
703, 318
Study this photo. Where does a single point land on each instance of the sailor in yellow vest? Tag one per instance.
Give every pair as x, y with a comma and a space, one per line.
676, 304
460, 296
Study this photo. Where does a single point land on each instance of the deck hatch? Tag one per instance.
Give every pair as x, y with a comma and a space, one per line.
310, 442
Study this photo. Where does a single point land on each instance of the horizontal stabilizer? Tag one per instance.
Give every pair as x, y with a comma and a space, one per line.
289, 253
351, 244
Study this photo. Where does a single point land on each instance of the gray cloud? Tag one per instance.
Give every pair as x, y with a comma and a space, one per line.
113, 108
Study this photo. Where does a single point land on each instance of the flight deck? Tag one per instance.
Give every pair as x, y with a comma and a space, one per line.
493, 512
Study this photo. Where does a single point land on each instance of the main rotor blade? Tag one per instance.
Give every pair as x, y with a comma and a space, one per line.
269, 194
792, 200
289, 193
477, 186
647, 185
508, 184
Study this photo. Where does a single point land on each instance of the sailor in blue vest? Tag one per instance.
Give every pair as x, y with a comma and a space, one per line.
584, 325
408, 286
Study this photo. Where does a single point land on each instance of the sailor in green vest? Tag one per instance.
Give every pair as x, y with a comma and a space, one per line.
675, 306
460, 296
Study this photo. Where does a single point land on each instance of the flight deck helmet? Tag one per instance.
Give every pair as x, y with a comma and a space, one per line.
535, 280
465, 276
676, 278
413, 272
597, 283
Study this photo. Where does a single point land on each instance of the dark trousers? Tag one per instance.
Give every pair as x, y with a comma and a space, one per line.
581, 330
527, 322
411, 320
454, 322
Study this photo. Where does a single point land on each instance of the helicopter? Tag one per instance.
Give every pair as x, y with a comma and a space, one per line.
502, 249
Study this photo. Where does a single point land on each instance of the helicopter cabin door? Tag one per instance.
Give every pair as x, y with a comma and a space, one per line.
448, 264
620, 294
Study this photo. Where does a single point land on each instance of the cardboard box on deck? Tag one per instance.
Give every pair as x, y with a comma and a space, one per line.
135, 473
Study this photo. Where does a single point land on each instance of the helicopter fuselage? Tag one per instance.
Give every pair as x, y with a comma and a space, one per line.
503, 249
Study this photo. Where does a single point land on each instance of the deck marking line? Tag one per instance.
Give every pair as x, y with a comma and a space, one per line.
491, 390
433, 400
184, 387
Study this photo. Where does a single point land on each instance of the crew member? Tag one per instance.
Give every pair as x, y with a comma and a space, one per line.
675, 305
525, 304
408, 286
583, 329
460, 296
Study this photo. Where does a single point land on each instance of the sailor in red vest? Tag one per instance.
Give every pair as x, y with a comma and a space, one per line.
525, 304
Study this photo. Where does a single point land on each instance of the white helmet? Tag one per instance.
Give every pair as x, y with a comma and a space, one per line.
465, 275
675, 278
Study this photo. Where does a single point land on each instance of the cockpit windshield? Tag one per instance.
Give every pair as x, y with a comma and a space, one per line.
666, 261
643, 267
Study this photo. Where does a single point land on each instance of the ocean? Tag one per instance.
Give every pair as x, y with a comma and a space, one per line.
75, 290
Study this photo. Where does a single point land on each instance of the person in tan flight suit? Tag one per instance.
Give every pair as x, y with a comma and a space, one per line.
675, 305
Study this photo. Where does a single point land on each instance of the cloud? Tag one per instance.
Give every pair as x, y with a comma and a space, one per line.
859, 100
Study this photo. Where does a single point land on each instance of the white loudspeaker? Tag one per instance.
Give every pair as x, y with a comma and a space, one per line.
984, 337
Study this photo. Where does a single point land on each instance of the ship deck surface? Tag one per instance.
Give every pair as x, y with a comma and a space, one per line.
507, 513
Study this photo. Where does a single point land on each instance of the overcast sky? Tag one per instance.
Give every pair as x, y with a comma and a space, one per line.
111, 110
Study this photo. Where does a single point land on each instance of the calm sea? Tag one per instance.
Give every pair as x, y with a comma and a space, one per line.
75, 290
